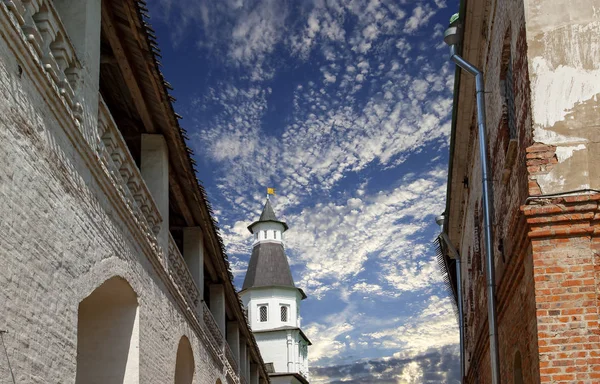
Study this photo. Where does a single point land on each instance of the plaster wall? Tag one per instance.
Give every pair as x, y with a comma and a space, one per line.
273, 298
280, 348
62, 236
563, 38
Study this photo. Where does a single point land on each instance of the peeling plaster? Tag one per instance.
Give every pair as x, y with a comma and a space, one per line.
564, 61
556, 92
563, 153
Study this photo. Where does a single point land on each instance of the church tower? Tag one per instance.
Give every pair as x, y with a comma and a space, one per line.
273, 302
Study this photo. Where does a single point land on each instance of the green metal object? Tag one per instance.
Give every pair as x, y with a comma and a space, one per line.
454, 17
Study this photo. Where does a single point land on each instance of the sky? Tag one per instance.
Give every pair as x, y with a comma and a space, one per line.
344, 107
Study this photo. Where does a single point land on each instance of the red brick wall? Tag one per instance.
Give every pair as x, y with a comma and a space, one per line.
565, 240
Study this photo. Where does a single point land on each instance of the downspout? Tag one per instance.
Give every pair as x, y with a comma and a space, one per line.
451, 37
461, 319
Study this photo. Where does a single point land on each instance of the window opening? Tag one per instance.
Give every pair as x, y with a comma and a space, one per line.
284, 313
509, 99
263, 313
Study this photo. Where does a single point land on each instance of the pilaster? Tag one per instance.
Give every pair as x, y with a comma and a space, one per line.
155, 171
217, 305
233, 339
565, 239
193, 253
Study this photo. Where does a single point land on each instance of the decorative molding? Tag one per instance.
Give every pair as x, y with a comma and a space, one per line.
125, 175
179, 272
43, 32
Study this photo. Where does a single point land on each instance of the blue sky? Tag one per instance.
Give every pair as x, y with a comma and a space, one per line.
344, 107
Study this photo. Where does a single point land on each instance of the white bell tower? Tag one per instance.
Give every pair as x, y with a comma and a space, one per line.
273, 302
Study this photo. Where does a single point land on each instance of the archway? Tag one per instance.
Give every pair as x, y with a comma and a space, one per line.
518, 369
108, 335
184, 367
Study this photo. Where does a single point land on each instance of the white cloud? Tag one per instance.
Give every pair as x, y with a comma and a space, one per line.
379, 102
420, 17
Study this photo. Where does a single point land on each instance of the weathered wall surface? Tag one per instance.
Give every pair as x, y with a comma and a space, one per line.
564, 63
504, 45
545, 250
60, 239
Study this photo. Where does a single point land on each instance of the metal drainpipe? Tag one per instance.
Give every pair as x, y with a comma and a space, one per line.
451, 37
461, 318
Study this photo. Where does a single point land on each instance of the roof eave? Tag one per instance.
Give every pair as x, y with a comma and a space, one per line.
455, 101
285, 226
302, 294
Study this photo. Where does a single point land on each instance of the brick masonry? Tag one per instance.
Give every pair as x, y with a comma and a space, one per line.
61, 237
546, 251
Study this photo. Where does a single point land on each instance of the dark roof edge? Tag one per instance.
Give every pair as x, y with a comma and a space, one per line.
140, 8
285, 226
286, 328
457, 78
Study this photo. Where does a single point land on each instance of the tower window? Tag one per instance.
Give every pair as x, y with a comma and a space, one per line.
284, 313
265, 234
263, 313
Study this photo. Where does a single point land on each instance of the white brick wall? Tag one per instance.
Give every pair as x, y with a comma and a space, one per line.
61, 237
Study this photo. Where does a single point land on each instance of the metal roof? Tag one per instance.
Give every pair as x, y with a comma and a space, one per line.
268, 215
268, 267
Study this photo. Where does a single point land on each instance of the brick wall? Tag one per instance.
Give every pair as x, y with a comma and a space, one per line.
60, 238
505, 37
565, 243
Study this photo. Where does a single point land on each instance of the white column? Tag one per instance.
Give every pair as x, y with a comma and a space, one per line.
217, 305
290, 362
233, 339
155, 171
243, 358
253, 373
82, 20
193, 253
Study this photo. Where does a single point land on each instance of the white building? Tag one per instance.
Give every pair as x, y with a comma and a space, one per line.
112, 268
273, 303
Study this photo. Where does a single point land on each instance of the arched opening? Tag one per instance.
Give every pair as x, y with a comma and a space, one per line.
184, 367
518, 369
107, 335
507, 88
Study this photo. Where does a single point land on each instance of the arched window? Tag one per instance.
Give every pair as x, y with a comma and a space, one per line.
184, 366
509, 119
263, 313
107, 329
284, 313
518, 369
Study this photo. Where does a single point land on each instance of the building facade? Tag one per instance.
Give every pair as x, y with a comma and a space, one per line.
541, 65
272, 301
112, 267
